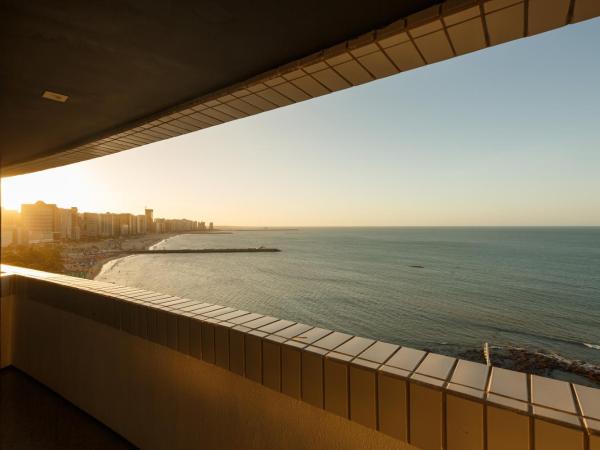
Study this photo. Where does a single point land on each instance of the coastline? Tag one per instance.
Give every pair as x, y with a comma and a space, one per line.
538, 360
86, 259
534, 361
150, 241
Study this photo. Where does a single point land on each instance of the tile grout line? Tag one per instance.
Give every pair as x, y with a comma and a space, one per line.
484, 22
530, 412
582, 421
525, 18
280, 349
272, 88
385, 55
414, 44
242, 99
486, 388
300, 380
322, 381
570, 12
445, 28
445, 403
408, 409
310, 96
318, 82
376, 375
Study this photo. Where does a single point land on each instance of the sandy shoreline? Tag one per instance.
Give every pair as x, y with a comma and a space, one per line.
85, 259
95, 270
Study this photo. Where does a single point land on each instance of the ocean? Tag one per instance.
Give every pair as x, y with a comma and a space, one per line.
448, 290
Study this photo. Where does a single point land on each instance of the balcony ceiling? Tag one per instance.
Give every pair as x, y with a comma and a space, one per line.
121, 61
131, 69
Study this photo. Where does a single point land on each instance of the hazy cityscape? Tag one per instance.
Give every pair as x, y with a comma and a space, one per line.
47, 237
41, 222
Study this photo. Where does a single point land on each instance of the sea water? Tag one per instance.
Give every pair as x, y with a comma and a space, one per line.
443, 289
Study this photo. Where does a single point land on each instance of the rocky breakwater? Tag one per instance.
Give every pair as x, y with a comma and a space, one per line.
538, 362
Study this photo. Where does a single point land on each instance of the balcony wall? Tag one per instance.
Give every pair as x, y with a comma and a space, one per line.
167, 372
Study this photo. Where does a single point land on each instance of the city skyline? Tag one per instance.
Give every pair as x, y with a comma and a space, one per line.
65, 206
42, 222
429, 147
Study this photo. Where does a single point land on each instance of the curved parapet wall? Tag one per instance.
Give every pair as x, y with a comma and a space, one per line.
132, 358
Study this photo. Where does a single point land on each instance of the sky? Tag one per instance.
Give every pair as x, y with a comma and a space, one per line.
505, 136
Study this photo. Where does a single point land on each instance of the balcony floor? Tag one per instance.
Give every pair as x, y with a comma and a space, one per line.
34, 417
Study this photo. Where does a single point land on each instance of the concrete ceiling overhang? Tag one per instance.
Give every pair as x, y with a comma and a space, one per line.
138, 72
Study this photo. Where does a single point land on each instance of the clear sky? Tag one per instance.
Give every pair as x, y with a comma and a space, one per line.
505, 136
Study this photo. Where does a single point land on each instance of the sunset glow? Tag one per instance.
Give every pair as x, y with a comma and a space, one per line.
405, 150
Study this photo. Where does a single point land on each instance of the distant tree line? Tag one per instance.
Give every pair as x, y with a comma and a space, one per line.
40, 257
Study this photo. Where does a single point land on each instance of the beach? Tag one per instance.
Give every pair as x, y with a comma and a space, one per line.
86, 258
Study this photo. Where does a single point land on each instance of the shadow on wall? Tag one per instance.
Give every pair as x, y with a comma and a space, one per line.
33, 417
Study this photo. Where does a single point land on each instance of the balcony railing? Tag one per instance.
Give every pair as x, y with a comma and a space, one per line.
164, 370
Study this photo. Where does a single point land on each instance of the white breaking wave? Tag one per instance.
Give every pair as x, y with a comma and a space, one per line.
158, 244
594, 346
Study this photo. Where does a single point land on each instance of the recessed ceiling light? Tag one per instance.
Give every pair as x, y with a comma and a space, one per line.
55, 96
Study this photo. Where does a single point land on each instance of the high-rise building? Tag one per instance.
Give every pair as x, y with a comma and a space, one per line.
141, 223
133, 223
12, 232
75, 226
106, 225
160, 226
210, 226
41, 221
10, 218
149, 220
172, 225
91, 225
46, 222
126, 225
64, 223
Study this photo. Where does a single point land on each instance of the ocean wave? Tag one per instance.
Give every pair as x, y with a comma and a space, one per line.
562, 340
594, 346
156, 246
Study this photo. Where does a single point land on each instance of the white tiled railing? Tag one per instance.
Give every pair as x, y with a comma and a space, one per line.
429, 400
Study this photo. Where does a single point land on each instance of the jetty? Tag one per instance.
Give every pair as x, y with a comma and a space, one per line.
206, 250
207, 232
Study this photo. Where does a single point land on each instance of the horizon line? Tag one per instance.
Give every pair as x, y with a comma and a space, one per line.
405, 226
